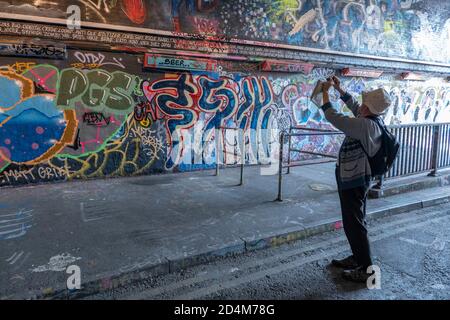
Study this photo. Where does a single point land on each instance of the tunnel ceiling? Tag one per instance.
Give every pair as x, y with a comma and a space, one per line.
408, 29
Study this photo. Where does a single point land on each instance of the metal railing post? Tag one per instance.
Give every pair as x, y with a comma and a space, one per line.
242, 158
435, 150
217, 152
289, 151
280, 167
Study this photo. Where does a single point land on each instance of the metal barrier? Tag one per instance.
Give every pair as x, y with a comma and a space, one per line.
423, 148
290, 149
218, 143
321, 132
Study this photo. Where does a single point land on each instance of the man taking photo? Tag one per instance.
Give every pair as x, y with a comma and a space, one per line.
363, 139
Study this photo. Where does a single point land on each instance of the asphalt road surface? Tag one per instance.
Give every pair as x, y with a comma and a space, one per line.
411, 249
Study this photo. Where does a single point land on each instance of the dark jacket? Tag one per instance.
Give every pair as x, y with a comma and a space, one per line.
353, 165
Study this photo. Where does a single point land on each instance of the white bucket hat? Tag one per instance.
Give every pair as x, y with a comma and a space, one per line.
377, 100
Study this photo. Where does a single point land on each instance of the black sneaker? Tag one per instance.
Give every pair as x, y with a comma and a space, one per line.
358, 274
346, 263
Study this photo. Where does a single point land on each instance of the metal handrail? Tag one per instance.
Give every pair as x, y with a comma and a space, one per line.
313, 129
280, 165
424, 147
329, 131
315, 134
393, 126
314, 153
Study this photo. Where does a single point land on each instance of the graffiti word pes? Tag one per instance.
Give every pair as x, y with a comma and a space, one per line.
97, 89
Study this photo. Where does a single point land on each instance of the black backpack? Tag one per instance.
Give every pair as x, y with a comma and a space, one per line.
383, 160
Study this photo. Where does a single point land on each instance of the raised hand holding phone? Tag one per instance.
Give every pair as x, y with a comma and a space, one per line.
337, 85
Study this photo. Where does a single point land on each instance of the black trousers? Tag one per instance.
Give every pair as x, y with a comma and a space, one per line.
353, 206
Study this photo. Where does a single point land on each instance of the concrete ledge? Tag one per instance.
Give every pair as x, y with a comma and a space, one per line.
214, 254
405, 208
107, 283
434, 202
410, 184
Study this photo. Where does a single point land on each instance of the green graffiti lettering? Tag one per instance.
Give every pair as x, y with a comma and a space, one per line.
72, 84
98, 90
95, 95
121, 88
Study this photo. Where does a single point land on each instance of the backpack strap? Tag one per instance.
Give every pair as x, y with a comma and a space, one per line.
380, 124
378, 121
383, 129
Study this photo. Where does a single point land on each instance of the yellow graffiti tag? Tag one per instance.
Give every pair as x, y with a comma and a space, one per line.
21, 67
145, 123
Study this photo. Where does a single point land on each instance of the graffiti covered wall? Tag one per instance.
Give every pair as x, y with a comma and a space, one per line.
102, 115
414, 29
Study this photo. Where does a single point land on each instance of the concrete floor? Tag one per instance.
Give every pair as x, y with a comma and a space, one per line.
118, 226
411, 249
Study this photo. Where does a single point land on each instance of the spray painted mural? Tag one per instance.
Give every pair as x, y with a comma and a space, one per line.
415, 29
91, 117
102, 115
413, 102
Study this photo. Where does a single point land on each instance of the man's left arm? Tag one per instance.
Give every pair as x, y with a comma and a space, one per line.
352, 127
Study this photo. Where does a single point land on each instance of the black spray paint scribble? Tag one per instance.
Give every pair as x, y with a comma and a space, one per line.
33, 50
